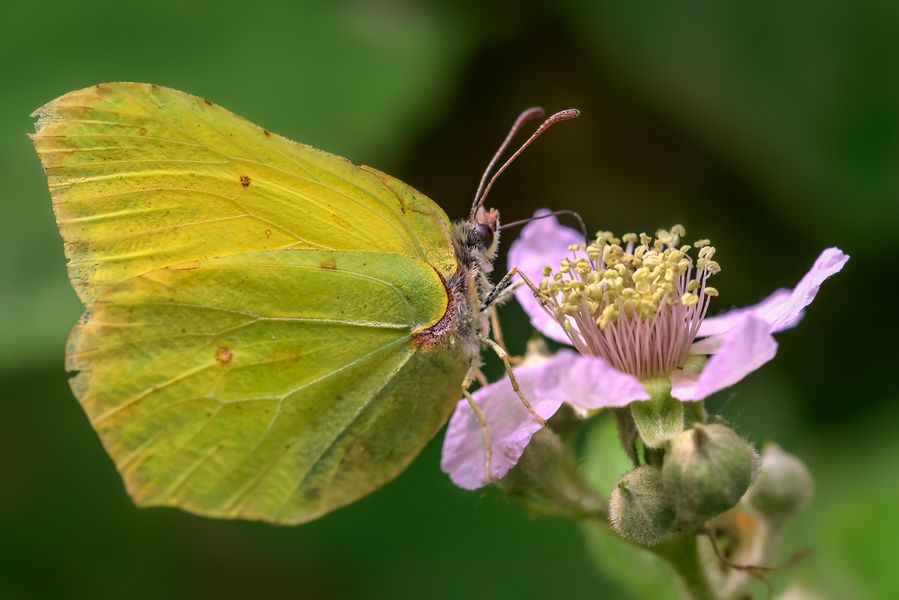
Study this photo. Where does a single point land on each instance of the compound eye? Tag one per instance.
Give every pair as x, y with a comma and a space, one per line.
482, 236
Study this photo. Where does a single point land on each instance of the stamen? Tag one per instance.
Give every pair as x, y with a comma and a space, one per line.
639, 306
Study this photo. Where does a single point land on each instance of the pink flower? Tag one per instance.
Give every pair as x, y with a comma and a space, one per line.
635, 309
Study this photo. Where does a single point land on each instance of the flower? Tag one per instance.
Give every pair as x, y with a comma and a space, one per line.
635, 310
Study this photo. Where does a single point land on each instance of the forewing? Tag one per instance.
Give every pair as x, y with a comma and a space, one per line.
275, 385
144, 177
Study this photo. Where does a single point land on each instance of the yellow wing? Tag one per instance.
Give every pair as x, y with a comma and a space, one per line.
144, 177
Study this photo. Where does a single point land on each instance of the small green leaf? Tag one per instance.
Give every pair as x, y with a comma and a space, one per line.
661, 416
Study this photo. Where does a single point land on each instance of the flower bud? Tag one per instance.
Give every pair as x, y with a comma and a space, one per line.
783, 487
706, 471
548, 477
538, 463
639, 510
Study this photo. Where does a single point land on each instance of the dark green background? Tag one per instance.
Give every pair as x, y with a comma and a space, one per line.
770, 127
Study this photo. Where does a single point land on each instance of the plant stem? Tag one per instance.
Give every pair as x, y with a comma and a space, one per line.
682, 553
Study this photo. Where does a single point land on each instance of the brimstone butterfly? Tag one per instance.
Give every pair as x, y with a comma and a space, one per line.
270, 331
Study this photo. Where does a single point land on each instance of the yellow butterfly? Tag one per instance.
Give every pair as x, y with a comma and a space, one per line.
270, 331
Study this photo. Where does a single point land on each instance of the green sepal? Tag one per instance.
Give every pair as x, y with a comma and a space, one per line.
660, 417
627, 434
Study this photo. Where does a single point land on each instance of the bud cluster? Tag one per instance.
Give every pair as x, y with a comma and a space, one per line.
705, 471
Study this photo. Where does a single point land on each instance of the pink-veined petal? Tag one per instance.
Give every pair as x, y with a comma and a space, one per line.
509, 423
542, 242
784, 308
743, 349
589, 382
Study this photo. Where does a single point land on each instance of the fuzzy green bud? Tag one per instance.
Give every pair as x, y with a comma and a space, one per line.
538, 464
783, 487
706, 471
639, 509
548, 477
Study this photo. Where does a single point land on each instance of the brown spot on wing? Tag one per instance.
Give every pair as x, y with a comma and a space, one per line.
142, 131
268, 233
223, 355
329, 262
267, 132
244, 181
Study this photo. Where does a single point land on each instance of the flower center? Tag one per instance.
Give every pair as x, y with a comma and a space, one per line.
639, 306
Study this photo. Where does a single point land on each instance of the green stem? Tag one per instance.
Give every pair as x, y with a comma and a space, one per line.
682, 553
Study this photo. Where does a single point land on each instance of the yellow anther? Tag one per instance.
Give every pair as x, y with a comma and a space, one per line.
609, 315
701, 243
612, 254
582, 266
689, 299
655, 275
707, 252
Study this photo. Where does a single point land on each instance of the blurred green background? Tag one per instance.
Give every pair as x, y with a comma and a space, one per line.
770, 127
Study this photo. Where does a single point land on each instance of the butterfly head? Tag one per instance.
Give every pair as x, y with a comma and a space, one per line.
483, 232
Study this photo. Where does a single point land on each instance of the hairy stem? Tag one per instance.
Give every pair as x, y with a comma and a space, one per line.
682, 553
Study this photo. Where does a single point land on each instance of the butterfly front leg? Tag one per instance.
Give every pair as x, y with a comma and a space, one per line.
506, 286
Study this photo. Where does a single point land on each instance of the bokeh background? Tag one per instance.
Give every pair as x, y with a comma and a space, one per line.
770, 127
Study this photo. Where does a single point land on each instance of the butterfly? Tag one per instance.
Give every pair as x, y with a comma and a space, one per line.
270, 331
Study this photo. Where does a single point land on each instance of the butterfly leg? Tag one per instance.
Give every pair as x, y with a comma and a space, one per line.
482, 421
480, 377
504, 356
498, 293
497, 331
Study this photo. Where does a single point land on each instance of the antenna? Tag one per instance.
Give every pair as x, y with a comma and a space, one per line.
554, 213
524, 117
535, 112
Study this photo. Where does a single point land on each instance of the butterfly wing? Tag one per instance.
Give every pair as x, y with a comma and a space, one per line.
144, 176
230, 371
